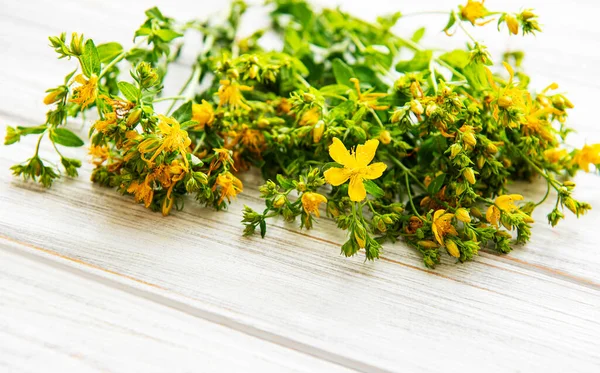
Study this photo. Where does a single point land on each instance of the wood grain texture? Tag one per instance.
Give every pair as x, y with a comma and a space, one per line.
63, 320
537, 309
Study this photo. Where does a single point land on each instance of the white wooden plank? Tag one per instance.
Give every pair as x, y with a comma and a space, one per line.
387, 314
56, 319
391, 314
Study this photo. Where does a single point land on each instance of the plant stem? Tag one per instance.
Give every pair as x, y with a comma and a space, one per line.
412, 205
119, 57
462, 26
37, 147
170, 98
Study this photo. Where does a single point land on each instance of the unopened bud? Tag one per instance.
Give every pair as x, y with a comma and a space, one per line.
469, 175
463, 215
452, 248
385, 137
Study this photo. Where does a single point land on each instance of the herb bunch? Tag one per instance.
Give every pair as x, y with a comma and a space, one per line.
421, 149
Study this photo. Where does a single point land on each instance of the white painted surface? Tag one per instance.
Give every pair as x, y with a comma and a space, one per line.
80, 259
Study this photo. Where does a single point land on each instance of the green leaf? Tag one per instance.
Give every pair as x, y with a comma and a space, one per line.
436, 184
184, 112
419, 62
418, 35
457, 58
263, 227
342, 72
131, 92
373, 189
64, 137
155, 13
476, 76
167, 35
90, 61
451, 22
108, 51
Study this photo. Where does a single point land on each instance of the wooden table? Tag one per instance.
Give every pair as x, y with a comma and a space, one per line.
90, 281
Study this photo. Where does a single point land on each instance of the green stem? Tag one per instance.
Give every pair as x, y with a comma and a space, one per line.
462, 26
417, 47
412, 205
119, 57
409, 172
37, 147
376, 117
170, 98
545, 195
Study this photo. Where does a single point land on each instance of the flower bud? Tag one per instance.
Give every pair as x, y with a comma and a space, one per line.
463, 215
569, 183
77, 44
527, 14
469, 175
512, 23
455, 149
480, 162
491, 148
360, 235
452, 248
431, 108
428, 244
571, 204
505, 102
476, 213
397, 207
279, 201
317, 131
301, 187
134, 117
308, 97
416, 107
253, 72
385, 137
469, 139
53, 97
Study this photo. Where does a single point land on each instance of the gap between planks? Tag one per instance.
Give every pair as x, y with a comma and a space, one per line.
107, 278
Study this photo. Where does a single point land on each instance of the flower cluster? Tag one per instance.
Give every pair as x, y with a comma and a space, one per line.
422, 149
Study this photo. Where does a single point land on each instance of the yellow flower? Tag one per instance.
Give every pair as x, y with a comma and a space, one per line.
473, 11
99, 154
370, 99
442, 225
310, 117
203, 114
554, 155
174, 173
504, 203
142, 191
231, 94
230, 186
589, 154
311, 202
86, 93
356, 167
110, 120
510, 96
173, 139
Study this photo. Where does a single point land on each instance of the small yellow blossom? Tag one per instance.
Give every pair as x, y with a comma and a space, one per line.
356, 167
510, 96
173, 139
473, 11
99, 154
203, 114
174, 173
589, 154
229, 186
310, 117
504, 203
311, 202
555, 154
230, 93
442, 225
104, 125
142, 191
370, 99
85, 94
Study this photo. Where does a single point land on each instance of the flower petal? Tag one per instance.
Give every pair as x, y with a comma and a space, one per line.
374, 171
366, 152
356, 189
336, 176
340, 154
